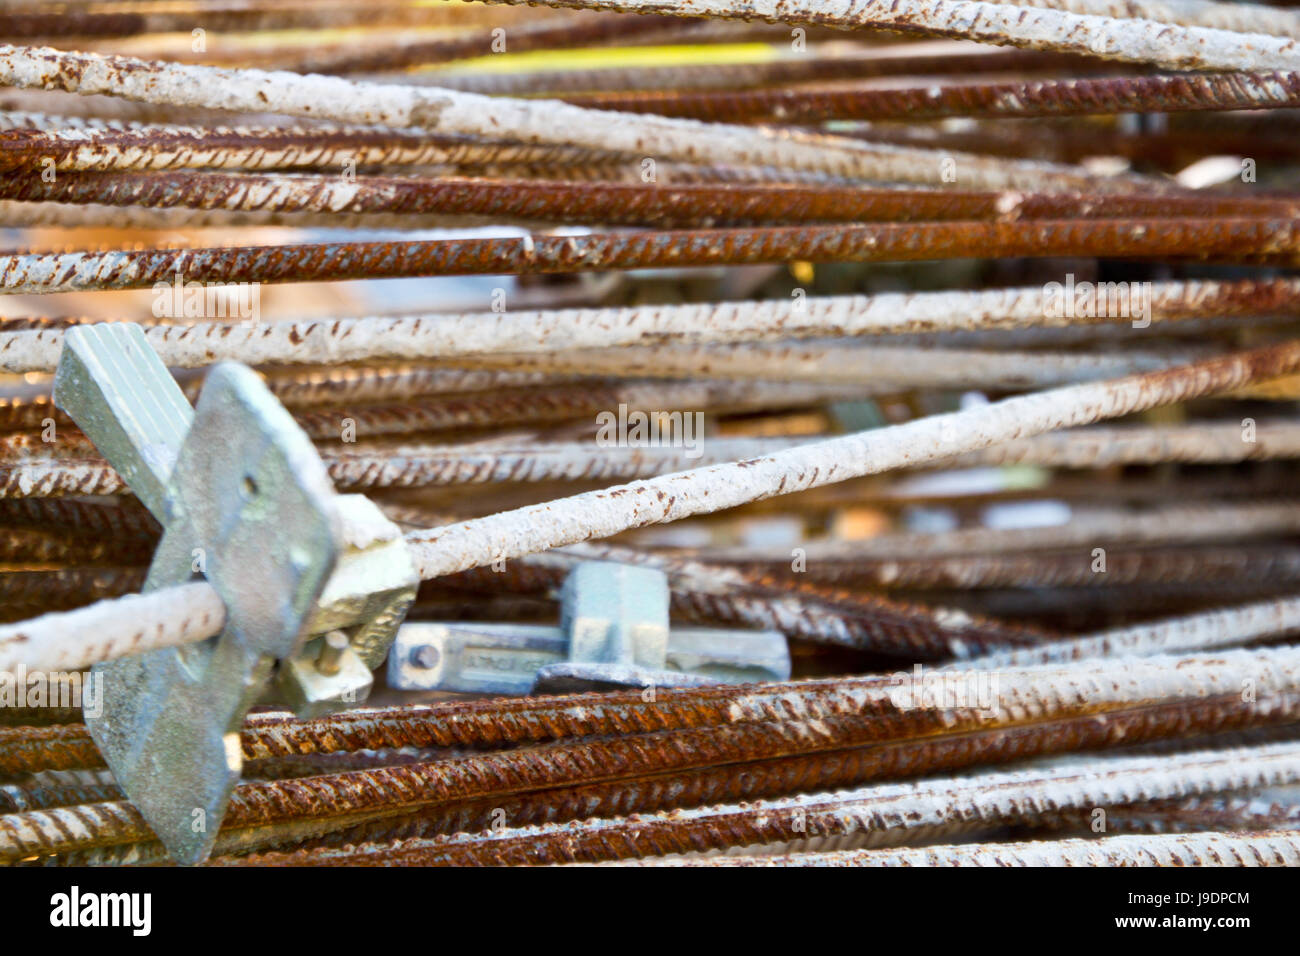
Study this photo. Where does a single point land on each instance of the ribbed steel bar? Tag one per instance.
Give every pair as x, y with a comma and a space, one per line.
874, 815
127, 525
498, 776
1022, 98
230, 18
557, 403
1198, 813
24, 546
80, 144
430, 465
529, 121
877, 369
71, 468
790, 775
1216, 240
307, 386
1031, 694
713, 488
1162, 524
1274, 848
753, 779
1275, 241
36, 346
51, 590
47, 478
54, 642
1077, 568
596, 203
1197, 632
18, 799
1135, 40
1239, 17
127, 220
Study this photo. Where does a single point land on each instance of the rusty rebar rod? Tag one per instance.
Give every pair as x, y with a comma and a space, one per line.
60, 830
875, 815
1027, 694
603, 203
1077, 568
72, 143
1262, 240
1064, 97
1162, 524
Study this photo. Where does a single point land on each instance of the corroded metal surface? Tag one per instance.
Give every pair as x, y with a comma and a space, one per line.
965, 368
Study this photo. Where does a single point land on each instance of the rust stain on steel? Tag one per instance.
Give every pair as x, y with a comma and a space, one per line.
1032, 694
500, 775
607, 202
1063, 569
751, 780
1066, 97
172, 147
1219, 240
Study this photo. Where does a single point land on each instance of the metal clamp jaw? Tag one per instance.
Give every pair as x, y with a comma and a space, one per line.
245, 501
613, 633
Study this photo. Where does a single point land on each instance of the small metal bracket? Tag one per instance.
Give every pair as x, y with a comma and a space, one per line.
245, 501
614, 633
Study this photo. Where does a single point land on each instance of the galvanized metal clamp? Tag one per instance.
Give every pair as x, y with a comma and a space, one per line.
613, 633
315, 583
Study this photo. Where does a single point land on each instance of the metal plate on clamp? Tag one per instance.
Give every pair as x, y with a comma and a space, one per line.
248, 503
251, 488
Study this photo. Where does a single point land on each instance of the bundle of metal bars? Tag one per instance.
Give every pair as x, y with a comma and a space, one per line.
989, 311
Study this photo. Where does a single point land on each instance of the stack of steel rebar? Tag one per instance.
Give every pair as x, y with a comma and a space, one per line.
989, 312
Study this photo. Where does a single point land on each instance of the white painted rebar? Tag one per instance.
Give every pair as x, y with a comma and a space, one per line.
423, 465
1275, 848
1033, 27
522, 120
1222, 627
1237, 17
714, 488
88, 635
330, 341
879, 369
416, 465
